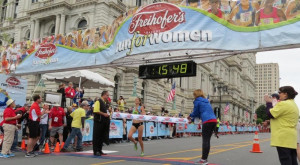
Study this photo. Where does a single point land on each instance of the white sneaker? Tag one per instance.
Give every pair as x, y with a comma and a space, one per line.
202, 162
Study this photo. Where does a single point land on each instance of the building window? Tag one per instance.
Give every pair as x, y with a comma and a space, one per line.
138, 3
82, 24
3, 10
143, 92
52, 32
27, 35
116, 88
16, 6
0, 43
34, 1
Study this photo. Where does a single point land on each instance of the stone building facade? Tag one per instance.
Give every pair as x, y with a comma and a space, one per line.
226, 81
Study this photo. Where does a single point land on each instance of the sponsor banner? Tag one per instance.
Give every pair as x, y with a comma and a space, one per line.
116, 129
163, 130
149, 118
135, 135
194, 128
180, 127
87, 134
157, 31
12, 88
151, 129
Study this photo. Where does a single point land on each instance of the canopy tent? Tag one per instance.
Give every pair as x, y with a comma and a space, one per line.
84, 78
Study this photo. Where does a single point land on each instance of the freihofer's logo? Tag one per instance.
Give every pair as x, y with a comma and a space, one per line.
156, 18
45, 52
153, 24
12, 81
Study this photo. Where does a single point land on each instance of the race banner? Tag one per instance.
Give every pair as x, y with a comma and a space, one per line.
161, 31
149, 118
12, 88
116, 129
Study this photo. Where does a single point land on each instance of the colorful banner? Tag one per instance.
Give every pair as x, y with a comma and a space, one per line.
14, 88
87, 134
162, 30
149, 118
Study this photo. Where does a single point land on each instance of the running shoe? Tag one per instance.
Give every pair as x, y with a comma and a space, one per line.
29, 155
202, 162
4, 156
11, 155
135, 147
142, 154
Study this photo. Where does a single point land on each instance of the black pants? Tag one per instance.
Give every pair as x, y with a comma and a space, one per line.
207, 131
99, 135
216, 130
66, 132
287, 156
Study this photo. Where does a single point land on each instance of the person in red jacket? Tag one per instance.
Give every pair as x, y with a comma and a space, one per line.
70, 94
9, 126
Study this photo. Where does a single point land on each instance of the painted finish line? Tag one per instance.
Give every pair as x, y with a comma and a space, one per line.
89, 154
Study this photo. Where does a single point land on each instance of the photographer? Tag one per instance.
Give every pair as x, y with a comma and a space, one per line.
284, 118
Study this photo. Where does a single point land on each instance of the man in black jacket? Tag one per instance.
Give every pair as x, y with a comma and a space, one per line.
101, 123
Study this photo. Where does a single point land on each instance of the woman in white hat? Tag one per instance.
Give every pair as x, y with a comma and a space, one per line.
9, 126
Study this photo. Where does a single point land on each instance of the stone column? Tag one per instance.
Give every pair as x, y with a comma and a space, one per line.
31, 29
37, 29
62, 24
57, 24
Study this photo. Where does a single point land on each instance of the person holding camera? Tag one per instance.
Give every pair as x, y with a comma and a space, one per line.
283, 119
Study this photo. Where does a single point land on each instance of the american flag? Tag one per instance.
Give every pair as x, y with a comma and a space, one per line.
226, 109
246, 114
172, 93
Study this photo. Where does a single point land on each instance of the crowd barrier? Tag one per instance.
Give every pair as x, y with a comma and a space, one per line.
156, 129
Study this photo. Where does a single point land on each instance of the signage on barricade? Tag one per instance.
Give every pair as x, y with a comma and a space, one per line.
116, 129
151, 129
149, 118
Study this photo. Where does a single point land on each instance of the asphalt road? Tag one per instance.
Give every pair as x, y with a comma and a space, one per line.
227, 150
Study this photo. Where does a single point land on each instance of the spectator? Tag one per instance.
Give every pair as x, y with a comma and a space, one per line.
9, 127
121, 102
44, 124
63, 94
70, 94
77, 126
33, 125
284, 118
68, 128
57, 122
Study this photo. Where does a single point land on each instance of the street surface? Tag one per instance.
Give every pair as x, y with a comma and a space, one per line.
227, 150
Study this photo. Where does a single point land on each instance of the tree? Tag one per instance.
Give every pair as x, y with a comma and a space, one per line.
261, 113
259, 121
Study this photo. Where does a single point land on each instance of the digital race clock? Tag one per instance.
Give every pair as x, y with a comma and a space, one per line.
168, 70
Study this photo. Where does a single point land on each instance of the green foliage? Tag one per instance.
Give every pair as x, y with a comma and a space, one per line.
259, 121
261, 113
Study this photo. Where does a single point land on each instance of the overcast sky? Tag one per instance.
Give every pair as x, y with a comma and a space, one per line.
289, 67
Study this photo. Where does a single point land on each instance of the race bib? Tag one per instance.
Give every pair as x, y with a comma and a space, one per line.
55, 119
245, 17
266, 21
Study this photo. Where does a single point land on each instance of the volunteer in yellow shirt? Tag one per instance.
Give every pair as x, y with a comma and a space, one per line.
284, 118
77, 125
121, 102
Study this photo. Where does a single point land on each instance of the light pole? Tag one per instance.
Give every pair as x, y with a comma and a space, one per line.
221, 87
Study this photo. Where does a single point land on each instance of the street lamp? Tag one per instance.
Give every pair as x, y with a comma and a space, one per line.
221, 87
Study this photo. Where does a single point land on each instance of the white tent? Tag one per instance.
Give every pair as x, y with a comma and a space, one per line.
84, 78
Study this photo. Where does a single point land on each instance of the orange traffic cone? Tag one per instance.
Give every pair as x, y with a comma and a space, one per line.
47, 150
57, 149
23, 145
62, 145
256, 147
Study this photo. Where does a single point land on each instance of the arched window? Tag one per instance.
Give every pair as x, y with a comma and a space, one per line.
3, 10
82, 24
16, 6
52, 31
116, 88
12, 40
143, 92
